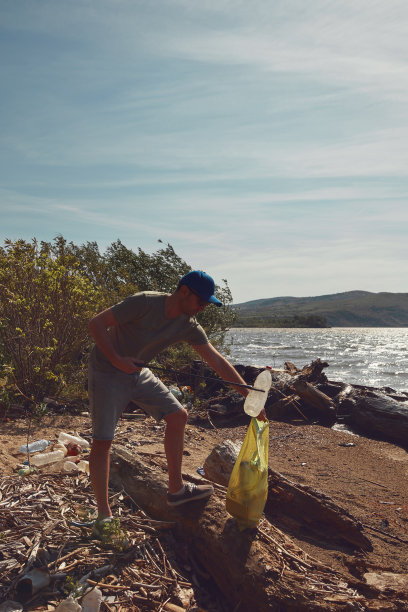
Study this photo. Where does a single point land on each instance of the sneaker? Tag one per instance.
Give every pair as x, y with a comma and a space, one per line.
108, 531
191, 492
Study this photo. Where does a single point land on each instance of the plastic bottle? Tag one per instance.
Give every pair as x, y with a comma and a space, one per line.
65, 438
176, 392
91, 602
69, 466
68, 605
60, 446
34, 447
255, 401
55, 468
46, 458
83, 466
27, 470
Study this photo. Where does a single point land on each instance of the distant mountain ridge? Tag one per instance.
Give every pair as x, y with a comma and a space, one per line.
348, 309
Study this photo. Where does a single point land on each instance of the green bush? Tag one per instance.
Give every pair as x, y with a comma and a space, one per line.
45, 305
49, 292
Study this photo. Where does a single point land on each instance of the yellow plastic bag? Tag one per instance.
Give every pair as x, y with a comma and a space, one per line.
248, 483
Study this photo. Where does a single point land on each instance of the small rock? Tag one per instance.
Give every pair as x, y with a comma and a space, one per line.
11, 606
219, 463
387, 580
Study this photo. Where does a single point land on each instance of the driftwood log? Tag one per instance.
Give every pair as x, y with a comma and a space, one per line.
374, 413
296, 507
262, 569
315, 398
308, 393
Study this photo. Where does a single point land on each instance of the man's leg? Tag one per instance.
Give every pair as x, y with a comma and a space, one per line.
157, 401
109, 394
174, 446
99, 462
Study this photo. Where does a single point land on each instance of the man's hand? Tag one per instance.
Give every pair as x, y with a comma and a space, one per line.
99, 327
129, 365
262, 415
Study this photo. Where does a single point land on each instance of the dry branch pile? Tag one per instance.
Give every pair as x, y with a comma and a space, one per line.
36, 532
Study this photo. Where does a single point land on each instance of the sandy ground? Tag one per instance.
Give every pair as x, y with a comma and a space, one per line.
368, 479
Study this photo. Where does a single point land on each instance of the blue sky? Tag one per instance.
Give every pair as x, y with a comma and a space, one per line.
266, 141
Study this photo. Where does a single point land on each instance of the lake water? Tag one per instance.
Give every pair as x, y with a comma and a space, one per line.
367, 356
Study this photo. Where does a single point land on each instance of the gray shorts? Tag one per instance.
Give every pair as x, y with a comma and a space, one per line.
110, 393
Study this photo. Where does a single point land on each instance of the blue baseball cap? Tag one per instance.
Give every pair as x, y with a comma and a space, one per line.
202, 284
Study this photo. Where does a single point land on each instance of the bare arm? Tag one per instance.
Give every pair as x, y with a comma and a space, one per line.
98, 326
222, 366
224, 369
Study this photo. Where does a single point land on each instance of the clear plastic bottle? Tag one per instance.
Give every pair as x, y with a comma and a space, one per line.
83, 466
34, 447
176, 392
60, 446
69, 466
65, 438
46, 458
55, 468
255, 401
91, 602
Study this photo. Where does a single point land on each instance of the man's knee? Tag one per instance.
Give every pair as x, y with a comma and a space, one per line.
176, 419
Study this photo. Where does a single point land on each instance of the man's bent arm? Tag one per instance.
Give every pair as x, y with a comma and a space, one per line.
98, 326
222, 366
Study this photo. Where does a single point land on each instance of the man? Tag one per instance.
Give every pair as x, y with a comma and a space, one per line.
127, 335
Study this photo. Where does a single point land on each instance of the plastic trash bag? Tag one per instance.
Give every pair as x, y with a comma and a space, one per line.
248, 483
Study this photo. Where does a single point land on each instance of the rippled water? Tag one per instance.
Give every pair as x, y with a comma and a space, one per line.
368, 356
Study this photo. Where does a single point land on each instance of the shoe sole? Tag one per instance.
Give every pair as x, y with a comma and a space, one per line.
187, 501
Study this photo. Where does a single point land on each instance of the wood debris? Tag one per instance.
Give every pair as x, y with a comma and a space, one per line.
36, 531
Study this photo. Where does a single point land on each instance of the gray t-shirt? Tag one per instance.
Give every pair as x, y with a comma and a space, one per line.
144, 330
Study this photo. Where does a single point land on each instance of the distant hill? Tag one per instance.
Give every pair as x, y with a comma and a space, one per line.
349, 309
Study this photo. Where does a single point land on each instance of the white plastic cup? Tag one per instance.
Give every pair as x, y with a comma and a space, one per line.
46, 458
32, 582
65, 438
255, 400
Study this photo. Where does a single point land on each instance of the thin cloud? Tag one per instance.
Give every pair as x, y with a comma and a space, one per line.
266, 141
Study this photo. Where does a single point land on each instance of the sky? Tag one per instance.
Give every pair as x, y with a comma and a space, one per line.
267, 142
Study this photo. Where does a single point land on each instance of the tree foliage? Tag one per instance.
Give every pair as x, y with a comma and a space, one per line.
50, 290
45, 304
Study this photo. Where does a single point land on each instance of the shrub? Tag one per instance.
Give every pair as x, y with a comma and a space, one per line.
45, 304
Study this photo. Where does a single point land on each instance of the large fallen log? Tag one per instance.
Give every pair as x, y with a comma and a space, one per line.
260, 570
299, 507
374, 413
308, 392
315, 398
